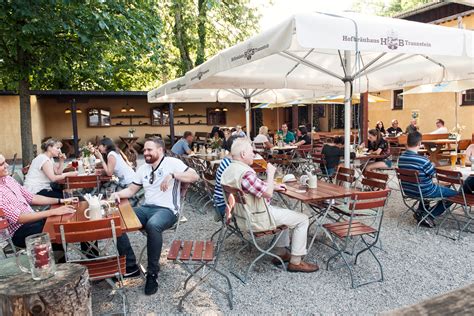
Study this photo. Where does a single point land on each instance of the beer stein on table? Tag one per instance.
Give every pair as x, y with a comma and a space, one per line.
40, 256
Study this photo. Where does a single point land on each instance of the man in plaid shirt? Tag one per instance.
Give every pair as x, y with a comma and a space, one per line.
242, 153
15, 202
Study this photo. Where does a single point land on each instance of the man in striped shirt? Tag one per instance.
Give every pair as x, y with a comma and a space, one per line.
410, 160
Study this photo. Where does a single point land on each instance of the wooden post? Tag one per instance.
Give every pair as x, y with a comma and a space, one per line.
364, 124
294, 117
171, 118
68, 292
74, 127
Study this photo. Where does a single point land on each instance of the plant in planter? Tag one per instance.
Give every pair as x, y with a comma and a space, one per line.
131, 131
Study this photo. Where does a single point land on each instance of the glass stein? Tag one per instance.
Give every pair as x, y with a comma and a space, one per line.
40, 256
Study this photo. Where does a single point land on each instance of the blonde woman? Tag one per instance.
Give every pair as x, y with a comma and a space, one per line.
43, 170
263, 138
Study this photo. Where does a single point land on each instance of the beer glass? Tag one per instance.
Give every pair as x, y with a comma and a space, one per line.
40, 257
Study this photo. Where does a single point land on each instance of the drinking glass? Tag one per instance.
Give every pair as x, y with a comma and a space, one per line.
40, 257
75, 164
109, 194
454, 158
279, 176
68, 194
463, 160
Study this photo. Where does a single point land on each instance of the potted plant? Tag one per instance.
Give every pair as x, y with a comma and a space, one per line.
131, 131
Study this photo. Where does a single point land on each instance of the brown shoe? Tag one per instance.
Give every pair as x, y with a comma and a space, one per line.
286, 258
303, 267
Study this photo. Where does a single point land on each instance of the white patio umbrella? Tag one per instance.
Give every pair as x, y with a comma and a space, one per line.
335, 53
338, 99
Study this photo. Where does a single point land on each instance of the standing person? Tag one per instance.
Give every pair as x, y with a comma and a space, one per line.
379, 126
114, 163
394, 129
241, 176
263, 137
182, 146
161, 179
288, 137
15, 201
412, 127
411, 160
303, 137
43, 171
440, 128
378, 146
218, 192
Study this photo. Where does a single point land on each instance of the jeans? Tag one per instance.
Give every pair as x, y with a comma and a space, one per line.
440, 206
26, 230
53, 193
469, 185
155, 220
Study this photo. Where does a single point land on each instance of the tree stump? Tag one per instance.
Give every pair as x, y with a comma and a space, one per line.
68, 292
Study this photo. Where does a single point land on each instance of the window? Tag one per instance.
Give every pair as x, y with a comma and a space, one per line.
337, 117
160, 115
98, 117
468, 97
215, 116
397, 100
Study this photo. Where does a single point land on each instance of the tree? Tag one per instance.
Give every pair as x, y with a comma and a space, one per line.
73, 44
381, 7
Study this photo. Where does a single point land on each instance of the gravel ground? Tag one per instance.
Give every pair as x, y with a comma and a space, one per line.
416, 266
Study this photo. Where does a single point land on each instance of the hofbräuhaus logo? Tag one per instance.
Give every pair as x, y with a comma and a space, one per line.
392, 41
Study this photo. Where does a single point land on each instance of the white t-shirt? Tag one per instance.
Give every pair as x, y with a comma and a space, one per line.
260, 138
36, 180
171, 198
441, 130
122, 169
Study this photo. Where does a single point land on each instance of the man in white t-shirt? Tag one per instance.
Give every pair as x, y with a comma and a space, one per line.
161, 178
440, 128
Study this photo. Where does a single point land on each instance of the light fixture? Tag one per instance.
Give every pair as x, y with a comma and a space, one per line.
79, 111
123, 110
224, 109
217, 110
132, 109
180, 109
67, 111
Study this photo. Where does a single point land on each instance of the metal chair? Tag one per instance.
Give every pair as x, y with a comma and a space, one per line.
197, 255
103, 262
374, 181
343, 233
461, 202
244, 213
9, 248
281, 160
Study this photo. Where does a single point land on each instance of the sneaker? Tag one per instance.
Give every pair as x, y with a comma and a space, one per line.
151, 286
132, 272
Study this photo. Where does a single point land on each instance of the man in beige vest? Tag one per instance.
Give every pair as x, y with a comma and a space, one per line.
240, 175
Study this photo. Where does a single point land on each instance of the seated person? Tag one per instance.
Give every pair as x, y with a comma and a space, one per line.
440, 128
332, 154
114, 163
412, 127
379, 126
240, 175
181, 147
411, 160
44, 171
288, 137
216, 132
15, 201
303, 137
263, 138
394, 129
378, 146
161, 178
238, 131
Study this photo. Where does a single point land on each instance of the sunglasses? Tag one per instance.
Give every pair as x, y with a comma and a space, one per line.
152, 177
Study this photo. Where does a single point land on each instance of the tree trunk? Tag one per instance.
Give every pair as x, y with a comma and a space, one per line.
180, 38
202, 16
25, 112
66, 293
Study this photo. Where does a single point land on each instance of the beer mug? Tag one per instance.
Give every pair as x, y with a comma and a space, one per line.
94, 211
40, 257
454, 158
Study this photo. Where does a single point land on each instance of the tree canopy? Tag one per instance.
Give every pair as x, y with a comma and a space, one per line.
390, 8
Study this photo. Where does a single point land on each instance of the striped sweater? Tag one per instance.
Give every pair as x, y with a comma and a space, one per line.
412, 161
218, 192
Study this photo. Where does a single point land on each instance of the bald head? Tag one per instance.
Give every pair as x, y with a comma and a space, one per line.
242, 151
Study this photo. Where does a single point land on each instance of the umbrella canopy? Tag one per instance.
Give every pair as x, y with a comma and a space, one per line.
449, 86
304, 53
278, 105
340, 99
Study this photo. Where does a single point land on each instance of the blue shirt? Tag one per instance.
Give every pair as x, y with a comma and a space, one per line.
181, 147
218, 192
410, 160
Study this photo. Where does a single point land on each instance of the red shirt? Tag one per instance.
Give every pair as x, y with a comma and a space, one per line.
251, 184
14, 200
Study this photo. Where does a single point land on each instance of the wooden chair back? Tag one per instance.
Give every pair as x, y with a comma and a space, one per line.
368, 200
345, 175
90, 230
201, 136
318, 158
280, 159
463, 144
450, 177
434, 136
402, 140
229, 208
374, 180
238, 195
304, 150
259, 146
83, 182
406, 175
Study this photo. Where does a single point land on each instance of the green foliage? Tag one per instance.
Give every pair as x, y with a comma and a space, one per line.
384, 8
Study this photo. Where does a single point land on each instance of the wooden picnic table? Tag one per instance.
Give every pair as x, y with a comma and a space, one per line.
129, 220
129, 149
435, 147
466, 172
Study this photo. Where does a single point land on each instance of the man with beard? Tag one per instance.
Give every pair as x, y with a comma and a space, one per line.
161, 179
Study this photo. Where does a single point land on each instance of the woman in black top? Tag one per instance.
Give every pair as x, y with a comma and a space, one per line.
378, 146
332, 154
394, 129
303, 137
379, 126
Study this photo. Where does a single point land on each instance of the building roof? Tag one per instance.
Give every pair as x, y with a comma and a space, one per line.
436, 10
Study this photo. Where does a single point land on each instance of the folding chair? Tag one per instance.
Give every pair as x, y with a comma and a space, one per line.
408, 179
14, 163
245, 214
9, 248
374, 181
342, 234
102, 261
300, 163
197, 255
461, 202
395, 153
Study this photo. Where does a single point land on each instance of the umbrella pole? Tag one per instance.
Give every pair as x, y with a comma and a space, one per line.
247, 115
347, 108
